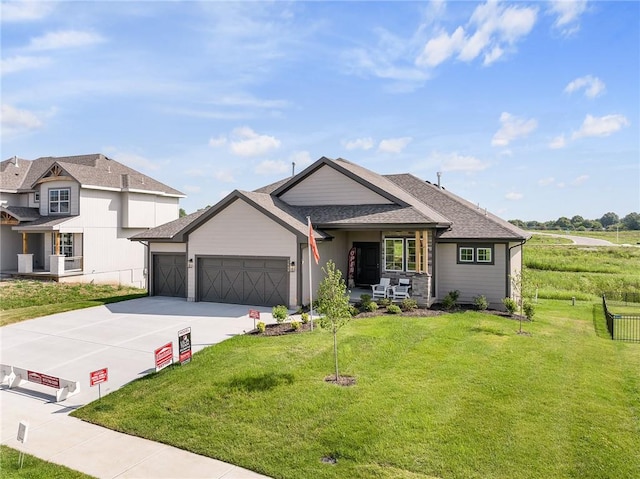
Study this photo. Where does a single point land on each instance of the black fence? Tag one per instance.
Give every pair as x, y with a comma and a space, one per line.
622, 297
622, 327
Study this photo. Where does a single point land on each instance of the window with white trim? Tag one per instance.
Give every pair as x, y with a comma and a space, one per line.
475, 254
36, 197
59, 200
66, 244
399, 254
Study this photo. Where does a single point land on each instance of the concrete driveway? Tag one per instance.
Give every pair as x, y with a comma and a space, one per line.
121, 337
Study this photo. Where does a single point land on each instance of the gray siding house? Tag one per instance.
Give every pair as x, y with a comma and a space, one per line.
251, 247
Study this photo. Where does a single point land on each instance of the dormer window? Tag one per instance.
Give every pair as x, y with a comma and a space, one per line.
59, 200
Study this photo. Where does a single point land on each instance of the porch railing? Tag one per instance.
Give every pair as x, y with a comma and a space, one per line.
73, 263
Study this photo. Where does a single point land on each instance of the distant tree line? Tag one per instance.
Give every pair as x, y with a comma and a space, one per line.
608, 221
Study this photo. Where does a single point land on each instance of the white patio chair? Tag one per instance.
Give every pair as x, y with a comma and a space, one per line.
400, 292
380, 291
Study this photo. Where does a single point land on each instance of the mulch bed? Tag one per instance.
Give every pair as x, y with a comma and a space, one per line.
283, 328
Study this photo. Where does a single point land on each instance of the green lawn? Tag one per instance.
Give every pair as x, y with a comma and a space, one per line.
33, 468
21, 300
454, 396
620, 237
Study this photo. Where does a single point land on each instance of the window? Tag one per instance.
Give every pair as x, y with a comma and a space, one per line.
36, 197
400, 254
466, 255
472, 254
393, 254
66, 244
59, 200
484, 255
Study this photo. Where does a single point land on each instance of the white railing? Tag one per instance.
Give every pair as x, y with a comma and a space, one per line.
73, 263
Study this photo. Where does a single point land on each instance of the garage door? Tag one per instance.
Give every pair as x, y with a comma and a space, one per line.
169, 275
239, 280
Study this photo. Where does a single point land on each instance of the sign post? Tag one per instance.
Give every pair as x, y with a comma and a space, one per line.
23, 430
184, 345
254, 314
98, 377
164, 356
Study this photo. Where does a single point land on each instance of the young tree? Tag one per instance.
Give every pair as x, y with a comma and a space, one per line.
333, 305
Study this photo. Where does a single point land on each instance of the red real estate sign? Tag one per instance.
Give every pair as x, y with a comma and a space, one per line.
164, 356
184, 345
43, 379
99, 376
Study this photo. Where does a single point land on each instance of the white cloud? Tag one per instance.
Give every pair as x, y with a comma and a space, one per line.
513, 196
15, 120
512, 128
492, 30
580, 180
65, 39
24, 11
133, 160
600, 126
217, 142
248, 143
546, 181
394, 145
441, 48
272, 167
359, 144
456, 162
19, 63
593, 86
224, 175
558, 142
249, 101
567, 14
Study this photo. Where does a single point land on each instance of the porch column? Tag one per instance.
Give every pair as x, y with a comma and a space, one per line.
25, 263
56, 266
425, 251
418, 253
57, 250
24, 243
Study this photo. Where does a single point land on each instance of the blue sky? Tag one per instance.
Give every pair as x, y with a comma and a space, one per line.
530, 109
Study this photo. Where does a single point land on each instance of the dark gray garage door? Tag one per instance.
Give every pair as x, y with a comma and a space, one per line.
239, 280
169, 275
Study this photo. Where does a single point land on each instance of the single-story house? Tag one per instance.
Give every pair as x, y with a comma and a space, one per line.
251, 247
69, 218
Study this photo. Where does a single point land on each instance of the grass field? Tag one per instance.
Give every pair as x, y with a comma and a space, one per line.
33, 468
20, 300
563, 272
620, 237
455, 396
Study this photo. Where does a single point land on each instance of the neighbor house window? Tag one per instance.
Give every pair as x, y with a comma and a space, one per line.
400, 254
59, 200
472, 254
36, 197
66, 244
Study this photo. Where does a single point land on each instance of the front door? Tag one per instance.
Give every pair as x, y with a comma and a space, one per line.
367, 263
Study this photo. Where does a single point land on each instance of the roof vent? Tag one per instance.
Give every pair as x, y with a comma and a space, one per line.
439, 173
15, 160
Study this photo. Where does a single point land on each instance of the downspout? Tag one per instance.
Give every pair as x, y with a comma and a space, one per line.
509, 266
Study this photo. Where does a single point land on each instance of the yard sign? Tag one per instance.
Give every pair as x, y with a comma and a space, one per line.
164, 356
184, 345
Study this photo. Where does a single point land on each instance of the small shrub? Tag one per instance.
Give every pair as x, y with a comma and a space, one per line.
393, 309
261, 326
280, 313
353, 310
365, 299
450, 301
372, 306
408, 304
511, 305
304, 317
295, 325
480, 302
384, 302
529, 310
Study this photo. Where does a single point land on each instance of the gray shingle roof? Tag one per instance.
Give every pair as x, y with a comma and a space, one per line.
418, 204
468, 222
22, 213
88, 170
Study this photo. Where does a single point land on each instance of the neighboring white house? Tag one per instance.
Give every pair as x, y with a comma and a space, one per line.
69, 218
252, 246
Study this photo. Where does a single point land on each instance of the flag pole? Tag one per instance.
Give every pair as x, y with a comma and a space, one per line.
310, 279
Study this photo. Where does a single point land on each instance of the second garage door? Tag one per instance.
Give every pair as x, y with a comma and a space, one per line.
169, 275
243, 280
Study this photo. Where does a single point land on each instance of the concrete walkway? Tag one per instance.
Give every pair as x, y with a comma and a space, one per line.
580, 240
121, 337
